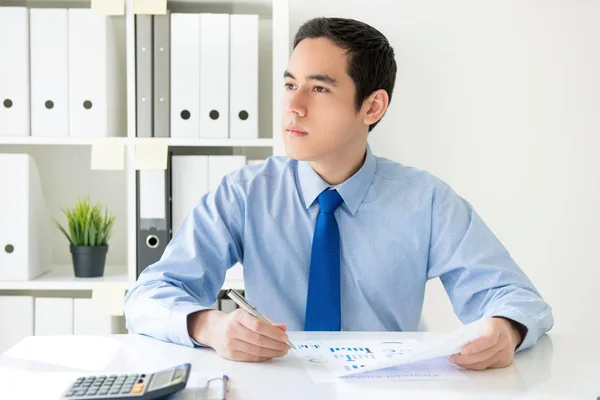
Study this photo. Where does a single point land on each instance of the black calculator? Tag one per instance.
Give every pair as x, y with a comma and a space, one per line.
141, 386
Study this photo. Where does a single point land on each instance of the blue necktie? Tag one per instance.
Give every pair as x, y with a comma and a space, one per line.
323, 310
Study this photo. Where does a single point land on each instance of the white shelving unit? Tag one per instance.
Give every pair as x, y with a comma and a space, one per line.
64, 162
71, 141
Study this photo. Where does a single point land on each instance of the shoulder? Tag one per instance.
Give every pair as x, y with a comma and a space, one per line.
272, 169
394, 171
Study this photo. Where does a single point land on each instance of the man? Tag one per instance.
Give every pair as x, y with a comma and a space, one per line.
333, 237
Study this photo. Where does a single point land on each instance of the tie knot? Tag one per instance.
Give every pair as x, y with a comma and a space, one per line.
329, 201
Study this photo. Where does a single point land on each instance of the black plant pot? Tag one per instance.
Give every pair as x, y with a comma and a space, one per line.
88, 261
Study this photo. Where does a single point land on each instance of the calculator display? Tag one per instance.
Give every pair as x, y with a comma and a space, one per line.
161, 379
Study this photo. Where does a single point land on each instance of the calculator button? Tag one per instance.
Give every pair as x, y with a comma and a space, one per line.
70, 394
80, 393
92, 392
138, 388
126, 390
143, 376
103, 392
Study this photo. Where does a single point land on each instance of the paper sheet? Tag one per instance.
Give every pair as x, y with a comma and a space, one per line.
150, 7
19, 384
108, 154
437, 368
109, 7
450, 343
89, 353
108, 300
408, 359
151, 154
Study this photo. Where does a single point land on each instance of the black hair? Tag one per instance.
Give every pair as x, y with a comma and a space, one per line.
371, 63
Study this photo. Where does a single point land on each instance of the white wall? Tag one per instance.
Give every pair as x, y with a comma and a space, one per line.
501, 99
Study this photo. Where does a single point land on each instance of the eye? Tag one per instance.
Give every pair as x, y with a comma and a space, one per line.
321, 89
289, 86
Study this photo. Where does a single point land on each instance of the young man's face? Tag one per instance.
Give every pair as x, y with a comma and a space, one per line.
319, 119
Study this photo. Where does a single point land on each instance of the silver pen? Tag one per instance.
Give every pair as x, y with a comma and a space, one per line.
225, 381
249, 308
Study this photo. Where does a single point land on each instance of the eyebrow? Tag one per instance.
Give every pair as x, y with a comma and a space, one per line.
316, 77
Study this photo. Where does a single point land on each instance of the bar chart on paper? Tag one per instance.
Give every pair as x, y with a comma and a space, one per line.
326, 360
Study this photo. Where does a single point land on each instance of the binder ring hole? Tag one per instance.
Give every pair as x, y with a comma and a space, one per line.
214, 114
49, 104
9, 248
185, 114
243, 115
87, 104
7, 103
152, 241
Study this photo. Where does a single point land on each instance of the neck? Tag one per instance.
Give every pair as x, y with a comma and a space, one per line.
339, 167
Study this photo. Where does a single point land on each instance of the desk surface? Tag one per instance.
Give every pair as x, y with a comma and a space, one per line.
559, 367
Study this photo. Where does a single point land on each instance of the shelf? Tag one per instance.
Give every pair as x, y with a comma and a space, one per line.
57, 141
237, 284
221, 142
62, 278
79, 141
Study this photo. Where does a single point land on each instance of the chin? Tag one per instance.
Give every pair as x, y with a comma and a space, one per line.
296, 150
295, 153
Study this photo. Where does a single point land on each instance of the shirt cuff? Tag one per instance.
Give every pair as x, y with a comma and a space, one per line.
518, 316
177, 326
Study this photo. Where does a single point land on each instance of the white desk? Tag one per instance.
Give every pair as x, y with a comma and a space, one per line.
559, 367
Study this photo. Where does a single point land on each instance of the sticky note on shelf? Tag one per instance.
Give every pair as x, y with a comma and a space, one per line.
155, 7
109, 7
108, 299
108, 154
151, 153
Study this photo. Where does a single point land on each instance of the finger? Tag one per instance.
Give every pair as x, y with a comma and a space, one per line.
259, 340
283, 327
235, 355
255, 350
262, 328
504, 362
484, 342
480, 366
461, 359
280, 326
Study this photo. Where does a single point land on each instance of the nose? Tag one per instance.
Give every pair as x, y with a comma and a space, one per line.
295, 103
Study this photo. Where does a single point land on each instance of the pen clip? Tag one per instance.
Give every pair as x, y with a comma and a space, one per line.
239, 298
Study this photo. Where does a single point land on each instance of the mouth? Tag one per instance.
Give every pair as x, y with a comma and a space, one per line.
295, 131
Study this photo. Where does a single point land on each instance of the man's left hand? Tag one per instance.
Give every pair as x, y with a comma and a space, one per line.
494, 349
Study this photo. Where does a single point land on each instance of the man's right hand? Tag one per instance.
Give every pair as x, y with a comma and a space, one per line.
238, 336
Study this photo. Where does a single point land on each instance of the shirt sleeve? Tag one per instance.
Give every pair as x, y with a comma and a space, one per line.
478, 273
191, 271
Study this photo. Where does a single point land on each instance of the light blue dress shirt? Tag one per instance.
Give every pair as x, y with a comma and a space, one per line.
399, 226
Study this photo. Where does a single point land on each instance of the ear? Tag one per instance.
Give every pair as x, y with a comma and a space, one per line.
376, 105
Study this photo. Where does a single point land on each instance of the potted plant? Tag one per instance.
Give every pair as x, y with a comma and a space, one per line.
89, 230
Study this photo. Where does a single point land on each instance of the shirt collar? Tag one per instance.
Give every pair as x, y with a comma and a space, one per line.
353, 190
